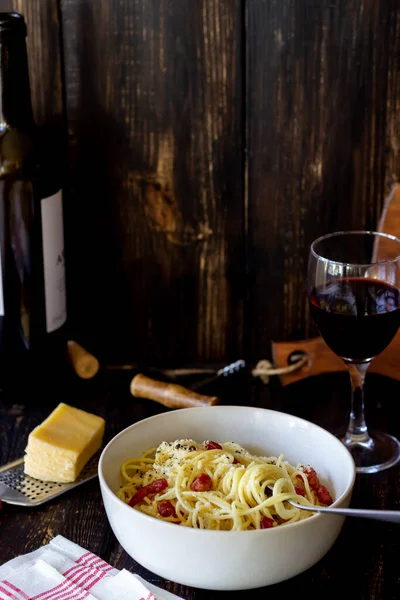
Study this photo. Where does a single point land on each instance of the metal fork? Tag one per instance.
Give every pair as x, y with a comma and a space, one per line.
392, 516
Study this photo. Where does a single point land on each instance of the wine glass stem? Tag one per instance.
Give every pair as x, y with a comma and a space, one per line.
357, 431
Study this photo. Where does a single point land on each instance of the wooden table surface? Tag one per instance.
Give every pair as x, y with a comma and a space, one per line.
363, 563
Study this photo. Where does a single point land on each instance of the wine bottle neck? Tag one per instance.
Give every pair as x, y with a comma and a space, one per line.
15, 94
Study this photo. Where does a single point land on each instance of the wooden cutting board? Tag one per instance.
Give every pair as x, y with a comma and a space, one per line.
321, 358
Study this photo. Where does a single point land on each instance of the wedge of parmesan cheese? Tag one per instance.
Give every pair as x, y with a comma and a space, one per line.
59, 448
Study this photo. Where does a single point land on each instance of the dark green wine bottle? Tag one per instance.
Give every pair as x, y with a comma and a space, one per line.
33, 308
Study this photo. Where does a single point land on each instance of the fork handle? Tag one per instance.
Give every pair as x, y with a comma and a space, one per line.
392, 516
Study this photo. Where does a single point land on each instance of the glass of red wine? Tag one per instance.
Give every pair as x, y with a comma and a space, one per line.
353, 287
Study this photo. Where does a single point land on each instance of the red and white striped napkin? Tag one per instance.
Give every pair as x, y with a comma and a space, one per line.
62, 570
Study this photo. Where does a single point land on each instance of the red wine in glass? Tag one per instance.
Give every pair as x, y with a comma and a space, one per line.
357, 317
353, 288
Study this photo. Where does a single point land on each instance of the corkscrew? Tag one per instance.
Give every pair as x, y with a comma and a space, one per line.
169, 393
235, 367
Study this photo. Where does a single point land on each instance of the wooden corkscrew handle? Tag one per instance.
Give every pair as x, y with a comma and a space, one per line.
171, 395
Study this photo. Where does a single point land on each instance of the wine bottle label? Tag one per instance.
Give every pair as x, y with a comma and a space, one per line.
2, 248
1, 289
53, 258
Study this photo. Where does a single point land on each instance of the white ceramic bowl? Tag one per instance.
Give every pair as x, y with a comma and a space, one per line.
228, 560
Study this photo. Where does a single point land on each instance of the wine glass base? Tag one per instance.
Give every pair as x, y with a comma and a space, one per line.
380, 451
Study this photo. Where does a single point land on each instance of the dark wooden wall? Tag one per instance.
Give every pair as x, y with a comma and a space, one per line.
208, 143
323, 90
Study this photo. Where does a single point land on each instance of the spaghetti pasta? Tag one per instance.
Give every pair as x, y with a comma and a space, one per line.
218, 486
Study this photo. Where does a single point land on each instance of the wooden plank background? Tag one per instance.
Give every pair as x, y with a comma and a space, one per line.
154, 111
323, 90
208, 143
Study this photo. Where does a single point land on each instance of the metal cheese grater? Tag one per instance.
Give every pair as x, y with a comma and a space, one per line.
18, 488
